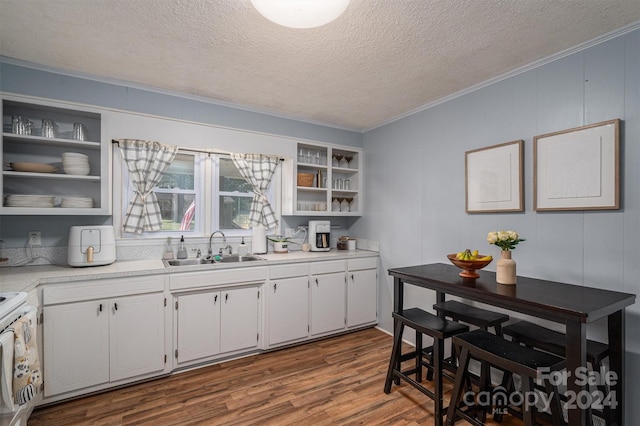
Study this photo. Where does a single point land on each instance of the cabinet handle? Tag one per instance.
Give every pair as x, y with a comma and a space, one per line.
275, 285
351, 277
100, 308
115, 306
226, 297
215, 299
317, 285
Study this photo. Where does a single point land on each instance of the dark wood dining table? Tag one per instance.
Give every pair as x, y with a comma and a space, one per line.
574, 306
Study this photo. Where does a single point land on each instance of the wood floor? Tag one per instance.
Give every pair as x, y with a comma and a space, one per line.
337, 381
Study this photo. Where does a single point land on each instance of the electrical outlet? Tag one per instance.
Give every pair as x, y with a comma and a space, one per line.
288, 232
35, 238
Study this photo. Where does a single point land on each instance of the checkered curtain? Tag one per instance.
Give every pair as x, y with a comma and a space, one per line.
146, 161
258, 169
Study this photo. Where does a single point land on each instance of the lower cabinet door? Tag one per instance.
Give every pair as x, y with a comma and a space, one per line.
76, 346
137, 330
362, 297
198, 326
327, 303
239, 312
288, 310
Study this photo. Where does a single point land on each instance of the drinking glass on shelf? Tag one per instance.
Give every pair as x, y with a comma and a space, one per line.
344, 205
301, 156
350, 201
308, 156
348, 158
335, 205
336, 158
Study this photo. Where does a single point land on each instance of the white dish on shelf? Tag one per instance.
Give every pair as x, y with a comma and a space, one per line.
32, 167
76, 202
21, 200
78, 171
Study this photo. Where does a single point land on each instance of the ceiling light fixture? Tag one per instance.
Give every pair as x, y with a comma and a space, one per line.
301, 13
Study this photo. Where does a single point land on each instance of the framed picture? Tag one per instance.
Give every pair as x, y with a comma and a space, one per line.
494, 178
578, 169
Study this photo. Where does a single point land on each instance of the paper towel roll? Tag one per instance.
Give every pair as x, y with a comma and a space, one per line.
259, 240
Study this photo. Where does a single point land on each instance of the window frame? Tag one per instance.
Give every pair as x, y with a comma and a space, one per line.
207, 167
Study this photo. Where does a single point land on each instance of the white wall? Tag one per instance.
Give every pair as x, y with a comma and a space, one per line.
414, 169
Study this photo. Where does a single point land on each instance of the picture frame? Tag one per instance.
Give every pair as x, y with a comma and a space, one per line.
493, 178
578, 168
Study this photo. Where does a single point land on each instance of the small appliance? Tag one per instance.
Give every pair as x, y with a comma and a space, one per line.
320, 235
91, 245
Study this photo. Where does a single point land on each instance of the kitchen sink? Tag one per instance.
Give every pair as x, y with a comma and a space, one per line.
231, 258
188, 262
237, 258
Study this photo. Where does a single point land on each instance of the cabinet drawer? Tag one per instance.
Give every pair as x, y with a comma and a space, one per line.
328, 267
217, 278
362, 263
100, 289
289, 271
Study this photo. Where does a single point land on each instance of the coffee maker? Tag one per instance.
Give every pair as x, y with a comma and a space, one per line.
320, 235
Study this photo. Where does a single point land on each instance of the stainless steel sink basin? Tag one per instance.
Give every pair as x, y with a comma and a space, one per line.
188, 262
237, 258
231, 258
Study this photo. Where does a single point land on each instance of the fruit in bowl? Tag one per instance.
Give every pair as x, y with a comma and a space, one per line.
469, 261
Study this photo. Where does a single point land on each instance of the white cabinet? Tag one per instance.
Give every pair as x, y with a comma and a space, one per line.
76, 346
217, 313
198, 326
34, 161
328, 297
288, 303
93, 342
214, 323
239, 319
324, 180
362, 291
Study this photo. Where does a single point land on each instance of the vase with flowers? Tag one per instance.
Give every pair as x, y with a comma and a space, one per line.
505, 266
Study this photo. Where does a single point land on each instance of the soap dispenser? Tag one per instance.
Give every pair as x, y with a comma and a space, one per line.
182, 250
168, 250
242, 248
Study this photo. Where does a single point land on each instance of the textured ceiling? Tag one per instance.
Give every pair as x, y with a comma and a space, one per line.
379, 60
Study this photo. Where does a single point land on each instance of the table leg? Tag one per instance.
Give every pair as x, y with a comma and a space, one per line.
576, 343
616, 325
398, 295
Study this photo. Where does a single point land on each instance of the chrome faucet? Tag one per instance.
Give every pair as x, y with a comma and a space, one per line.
224, 240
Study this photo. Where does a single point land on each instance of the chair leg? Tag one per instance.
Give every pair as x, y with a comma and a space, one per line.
458, 387
556, 406
528, 413
438, 354
394, 360
418, 356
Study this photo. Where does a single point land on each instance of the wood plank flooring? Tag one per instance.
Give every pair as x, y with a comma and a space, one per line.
337, 381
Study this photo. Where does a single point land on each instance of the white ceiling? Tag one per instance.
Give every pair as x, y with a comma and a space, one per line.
378, 61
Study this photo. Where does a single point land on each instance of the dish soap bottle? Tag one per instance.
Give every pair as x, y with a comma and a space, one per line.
182, 250
168, 250
242, 248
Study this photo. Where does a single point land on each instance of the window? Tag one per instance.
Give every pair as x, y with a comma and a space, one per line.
198, 194
235, 195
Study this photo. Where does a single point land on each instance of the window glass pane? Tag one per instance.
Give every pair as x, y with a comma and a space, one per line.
178, 211
230, 178
180, 173
234, 212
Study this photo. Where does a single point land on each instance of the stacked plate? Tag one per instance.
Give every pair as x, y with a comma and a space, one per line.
76, 202
17, 200
75, 163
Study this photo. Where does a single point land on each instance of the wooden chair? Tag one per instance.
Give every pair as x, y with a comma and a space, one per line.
510, 357
539, 337
423, 323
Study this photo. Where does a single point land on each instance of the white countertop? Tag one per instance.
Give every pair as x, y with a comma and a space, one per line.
25, 278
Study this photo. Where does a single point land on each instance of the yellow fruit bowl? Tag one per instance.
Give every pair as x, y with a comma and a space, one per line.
469, 267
